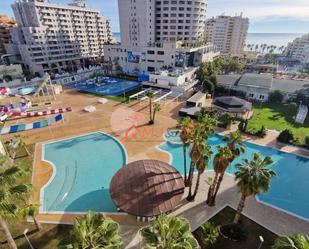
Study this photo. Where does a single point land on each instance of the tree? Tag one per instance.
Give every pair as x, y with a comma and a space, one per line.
185, 126
32, 211
169, 233
286, 136
221, 163
150, 96
297, 241
252, 177
13, 195
235, 143
156, 108
307, 141
276, 96
94, 230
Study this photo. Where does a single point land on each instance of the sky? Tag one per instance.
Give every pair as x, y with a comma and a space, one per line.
266, 16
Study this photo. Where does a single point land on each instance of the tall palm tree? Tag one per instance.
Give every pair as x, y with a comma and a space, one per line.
252, 177
185, 126
297, 241
221, 163
12, 196
32, 211
169, 233
235, 143
150, 96
94, 230
156, 108
201, 166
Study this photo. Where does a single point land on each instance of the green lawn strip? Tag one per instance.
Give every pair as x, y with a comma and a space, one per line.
252, 230
278, 117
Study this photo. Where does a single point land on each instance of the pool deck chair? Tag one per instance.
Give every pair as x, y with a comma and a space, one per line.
31, 126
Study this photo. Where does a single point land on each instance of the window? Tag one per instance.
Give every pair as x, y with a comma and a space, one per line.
150, 69
161, 52
262, 96
251, 95
150, 52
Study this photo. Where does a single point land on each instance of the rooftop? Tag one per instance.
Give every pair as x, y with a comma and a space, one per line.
147, 188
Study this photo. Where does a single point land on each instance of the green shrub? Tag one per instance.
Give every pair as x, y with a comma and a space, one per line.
307, 142
262, 132
207, 234
276, 96
286, 136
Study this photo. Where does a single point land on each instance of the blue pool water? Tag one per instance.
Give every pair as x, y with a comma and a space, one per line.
84, 167
289, 189
107, 86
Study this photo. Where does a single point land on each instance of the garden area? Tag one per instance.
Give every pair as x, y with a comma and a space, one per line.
278, 117
251, 231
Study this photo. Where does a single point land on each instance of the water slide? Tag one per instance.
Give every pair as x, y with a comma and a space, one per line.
30, 126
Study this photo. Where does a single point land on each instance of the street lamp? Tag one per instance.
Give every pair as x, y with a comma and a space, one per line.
261, 241
25, 234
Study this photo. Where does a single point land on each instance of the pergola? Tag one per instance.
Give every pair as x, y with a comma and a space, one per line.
147, 188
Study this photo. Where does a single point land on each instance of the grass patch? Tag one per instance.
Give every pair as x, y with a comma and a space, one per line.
278, 117
252, 231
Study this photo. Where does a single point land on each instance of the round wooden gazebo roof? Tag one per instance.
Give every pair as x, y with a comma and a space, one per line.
147, 188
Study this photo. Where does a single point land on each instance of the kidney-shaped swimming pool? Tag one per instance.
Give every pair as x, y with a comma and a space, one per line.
83, 167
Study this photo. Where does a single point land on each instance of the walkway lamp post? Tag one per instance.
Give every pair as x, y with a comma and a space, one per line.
261, 241
25, 234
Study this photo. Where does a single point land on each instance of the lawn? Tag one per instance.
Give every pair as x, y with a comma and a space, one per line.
278, 117
252, 230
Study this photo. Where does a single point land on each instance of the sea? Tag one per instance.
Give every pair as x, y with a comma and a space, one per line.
276, 39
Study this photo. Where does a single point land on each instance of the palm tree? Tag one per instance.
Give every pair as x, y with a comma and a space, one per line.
221, 163
169, 233
253, 177
32, 211
12, 196
150, 96
156, 108
297, 241
201, 165
235, 143
94, 230
185, 126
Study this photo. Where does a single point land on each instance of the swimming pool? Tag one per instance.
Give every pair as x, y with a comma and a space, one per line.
108, 86
83, 167
289, 189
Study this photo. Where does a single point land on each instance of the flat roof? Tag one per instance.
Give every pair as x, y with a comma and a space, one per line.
197, 97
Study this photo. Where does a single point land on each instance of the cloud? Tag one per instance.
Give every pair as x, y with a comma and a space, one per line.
262, 9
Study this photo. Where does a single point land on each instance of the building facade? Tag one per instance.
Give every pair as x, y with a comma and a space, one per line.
299, 49
5, 24
227, 33
160, 34
57, 37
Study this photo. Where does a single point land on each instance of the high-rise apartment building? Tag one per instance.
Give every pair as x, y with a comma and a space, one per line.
227, 33
57, 37
5, 25
159, 34
299, 49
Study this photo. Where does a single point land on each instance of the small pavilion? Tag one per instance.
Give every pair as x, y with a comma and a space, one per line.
147, 188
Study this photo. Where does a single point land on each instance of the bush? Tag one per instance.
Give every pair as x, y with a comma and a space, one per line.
276, 96
262, 132
307, 142
207, 234
286, 136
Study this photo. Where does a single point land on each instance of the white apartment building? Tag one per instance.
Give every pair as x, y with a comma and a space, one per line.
227, 33
160, 34
57, 37
299, 49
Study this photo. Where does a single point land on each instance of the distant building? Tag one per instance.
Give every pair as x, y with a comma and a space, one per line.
57, 37
159, 35
227, 33
259, 86
299, 49
5, 24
